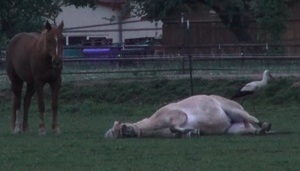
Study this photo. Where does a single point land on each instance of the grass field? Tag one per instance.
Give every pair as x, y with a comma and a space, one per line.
88, 109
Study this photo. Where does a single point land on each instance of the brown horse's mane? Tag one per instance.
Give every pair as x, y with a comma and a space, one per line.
44, 32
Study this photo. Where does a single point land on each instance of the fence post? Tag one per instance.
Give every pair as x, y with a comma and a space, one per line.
190, 56
191, 74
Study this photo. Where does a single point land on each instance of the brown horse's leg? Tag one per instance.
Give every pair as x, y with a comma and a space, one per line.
55, 86
41, 105
16, 86
27, 101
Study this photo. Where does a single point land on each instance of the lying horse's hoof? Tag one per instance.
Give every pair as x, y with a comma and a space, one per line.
265, 127
194, 133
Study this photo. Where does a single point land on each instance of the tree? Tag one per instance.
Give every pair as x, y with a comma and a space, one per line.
236, 14
29, 15
271, 17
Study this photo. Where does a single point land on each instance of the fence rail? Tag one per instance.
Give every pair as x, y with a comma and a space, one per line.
178, 64
171, 67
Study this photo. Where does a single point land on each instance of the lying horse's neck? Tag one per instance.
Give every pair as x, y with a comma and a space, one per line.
149, 127
142, 127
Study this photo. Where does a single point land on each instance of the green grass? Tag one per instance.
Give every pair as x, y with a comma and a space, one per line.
87, 111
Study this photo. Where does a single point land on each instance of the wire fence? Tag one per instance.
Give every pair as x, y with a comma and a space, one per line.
177, 65
144, 67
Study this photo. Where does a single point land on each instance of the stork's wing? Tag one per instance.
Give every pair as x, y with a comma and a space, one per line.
252, 86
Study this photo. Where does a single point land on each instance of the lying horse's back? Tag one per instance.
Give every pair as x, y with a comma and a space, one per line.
202, 112
19, 54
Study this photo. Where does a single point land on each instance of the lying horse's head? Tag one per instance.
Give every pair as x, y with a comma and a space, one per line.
121, 130
53, 43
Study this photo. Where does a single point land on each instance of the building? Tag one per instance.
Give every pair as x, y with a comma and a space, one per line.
103, 25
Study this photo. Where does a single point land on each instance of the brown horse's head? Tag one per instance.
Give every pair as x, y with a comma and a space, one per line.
54, 43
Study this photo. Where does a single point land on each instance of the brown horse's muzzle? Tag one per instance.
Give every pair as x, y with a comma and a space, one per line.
57, 63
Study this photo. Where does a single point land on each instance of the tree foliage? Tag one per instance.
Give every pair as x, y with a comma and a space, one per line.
28, 15
271, 18
271, 15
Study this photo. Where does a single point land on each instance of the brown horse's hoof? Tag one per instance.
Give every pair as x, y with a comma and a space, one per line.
17, 130
56, 131
42, 131
26, 129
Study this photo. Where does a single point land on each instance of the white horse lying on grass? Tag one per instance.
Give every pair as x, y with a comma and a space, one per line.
192, 117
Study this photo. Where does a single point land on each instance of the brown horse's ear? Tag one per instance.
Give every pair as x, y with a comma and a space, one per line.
48, 26
61, 26
117, 123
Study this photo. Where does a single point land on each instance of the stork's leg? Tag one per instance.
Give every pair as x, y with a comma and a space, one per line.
253, 97
253, 107
243, 99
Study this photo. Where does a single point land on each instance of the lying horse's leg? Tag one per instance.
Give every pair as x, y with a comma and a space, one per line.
247, 128
41, 106
241, 128
16, 123
55, 86
179, 117
185, 131
27, 101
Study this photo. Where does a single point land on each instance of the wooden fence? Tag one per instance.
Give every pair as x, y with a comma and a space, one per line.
207, 34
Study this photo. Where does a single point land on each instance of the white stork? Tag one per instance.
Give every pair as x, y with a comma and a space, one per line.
252, 87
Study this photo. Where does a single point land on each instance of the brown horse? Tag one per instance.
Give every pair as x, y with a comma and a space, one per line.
35, 59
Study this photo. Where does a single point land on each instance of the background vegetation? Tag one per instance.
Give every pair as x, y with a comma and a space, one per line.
88, 109
30, 15
270, 16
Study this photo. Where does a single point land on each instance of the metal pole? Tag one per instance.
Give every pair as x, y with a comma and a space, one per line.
182, 47
190, 57
120, 29
191, 75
